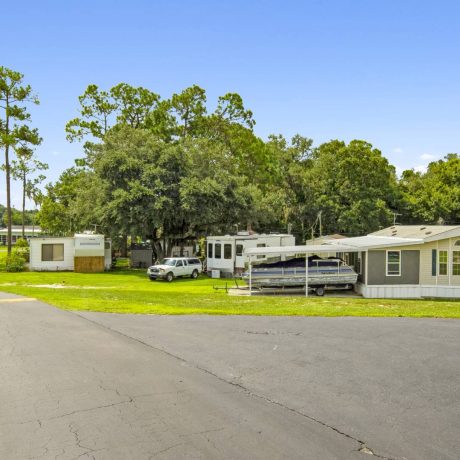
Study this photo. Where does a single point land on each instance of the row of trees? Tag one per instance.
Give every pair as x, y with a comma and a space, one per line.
168, 169
29, 217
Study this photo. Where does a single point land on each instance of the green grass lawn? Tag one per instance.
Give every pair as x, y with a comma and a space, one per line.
132, 292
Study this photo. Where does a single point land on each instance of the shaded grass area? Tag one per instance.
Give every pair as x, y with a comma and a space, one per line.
123, 291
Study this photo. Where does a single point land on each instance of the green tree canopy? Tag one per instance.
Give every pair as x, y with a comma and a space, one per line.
353, 186
434, 196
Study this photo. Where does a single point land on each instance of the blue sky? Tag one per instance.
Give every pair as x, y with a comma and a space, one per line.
386, 71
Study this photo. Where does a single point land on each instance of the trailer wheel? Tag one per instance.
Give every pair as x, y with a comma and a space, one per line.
194, 274
320, 291
169, 277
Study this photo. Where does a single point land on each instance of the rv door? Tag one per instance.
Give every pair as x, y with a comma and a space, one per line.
239, 259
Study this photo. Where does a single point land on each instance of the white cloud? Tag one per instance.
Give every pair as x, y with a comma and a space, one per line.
421, 168
398, 150
427, 157
399, 170
54, 153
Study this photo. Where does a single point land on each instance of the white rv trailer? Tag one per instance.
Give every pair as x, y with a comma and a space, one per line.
60, 253
225, 254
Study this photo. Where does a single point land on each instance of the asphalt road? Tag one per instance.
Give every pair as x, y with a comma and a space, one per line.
88, 385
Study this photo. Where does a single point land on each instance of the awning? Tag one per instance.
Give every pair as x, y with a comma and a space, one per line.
356, 244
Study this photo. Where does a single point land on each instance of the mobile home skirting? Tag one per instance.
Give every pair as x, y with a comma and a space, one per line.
407, 291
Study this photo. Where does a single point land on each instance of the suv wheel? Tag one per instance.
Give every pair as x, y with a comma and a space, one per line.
169, 277
195, 274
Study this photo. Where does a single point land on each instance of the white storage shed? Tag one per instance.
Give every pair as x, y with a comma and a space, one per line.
225, 254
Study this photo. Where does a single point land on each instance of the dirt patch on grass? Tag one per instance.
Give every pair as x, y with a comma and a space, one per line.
56, 286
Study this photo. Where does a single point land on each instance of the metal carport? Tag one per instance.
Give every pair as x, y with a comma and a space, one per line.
355, 244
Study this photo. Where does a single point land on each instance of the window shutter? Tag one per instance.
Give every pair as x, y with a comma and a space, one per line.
433, 262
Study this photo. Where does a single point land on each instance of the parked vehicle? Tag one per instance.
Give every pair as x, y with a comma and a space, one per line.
172, 267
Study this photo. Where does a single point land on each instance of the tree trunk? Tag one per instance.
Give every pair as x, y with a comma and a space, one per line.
159, 253
8, 180
124, 246
23, 205
163, 248
8, 197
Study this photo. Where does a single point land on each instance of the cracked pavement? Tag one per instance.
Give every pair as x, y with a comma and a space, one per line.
98, 386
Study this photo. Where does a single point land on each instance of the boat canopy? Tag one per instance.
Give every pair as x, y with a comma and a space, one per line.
355, 244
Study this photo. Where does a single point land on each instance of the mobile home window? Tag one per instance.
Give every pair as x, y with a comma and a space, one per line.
393, 263
227, 251
218, 251
52, 252
239, 249
209, 250
443, 261
456, 263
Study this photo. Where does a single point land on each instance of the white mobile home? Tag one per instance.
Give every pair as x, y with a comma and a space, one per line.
226, 253
16, 233
81, 253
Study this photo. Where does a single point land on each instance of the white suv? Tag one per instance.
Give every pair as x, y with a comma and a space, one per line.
173, 267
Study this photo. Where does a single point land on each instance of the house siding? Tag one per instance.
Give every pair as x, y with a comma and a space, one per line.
410, 268
426, 274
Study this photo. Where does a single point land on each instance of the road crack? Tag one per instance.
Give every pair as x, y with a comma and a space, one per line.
363, 446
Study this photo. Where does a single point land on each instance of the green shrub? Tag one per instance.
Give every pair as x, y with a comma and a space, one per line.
15, 262
21, 243
23, 252
22, 248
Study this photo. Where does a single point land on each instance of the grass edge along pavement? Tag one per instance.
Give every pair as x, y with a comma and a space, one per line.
131, 292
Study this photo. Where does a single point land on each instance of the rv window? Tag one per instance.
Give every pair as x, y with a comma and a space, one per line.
239, 249
393, 263
227, 251
218, 250
261, 245
52, 252
209, 250
107, 245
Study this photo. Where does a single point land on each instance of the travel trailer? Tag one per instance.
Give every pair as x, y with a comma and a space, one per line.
225, 254
83, 252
